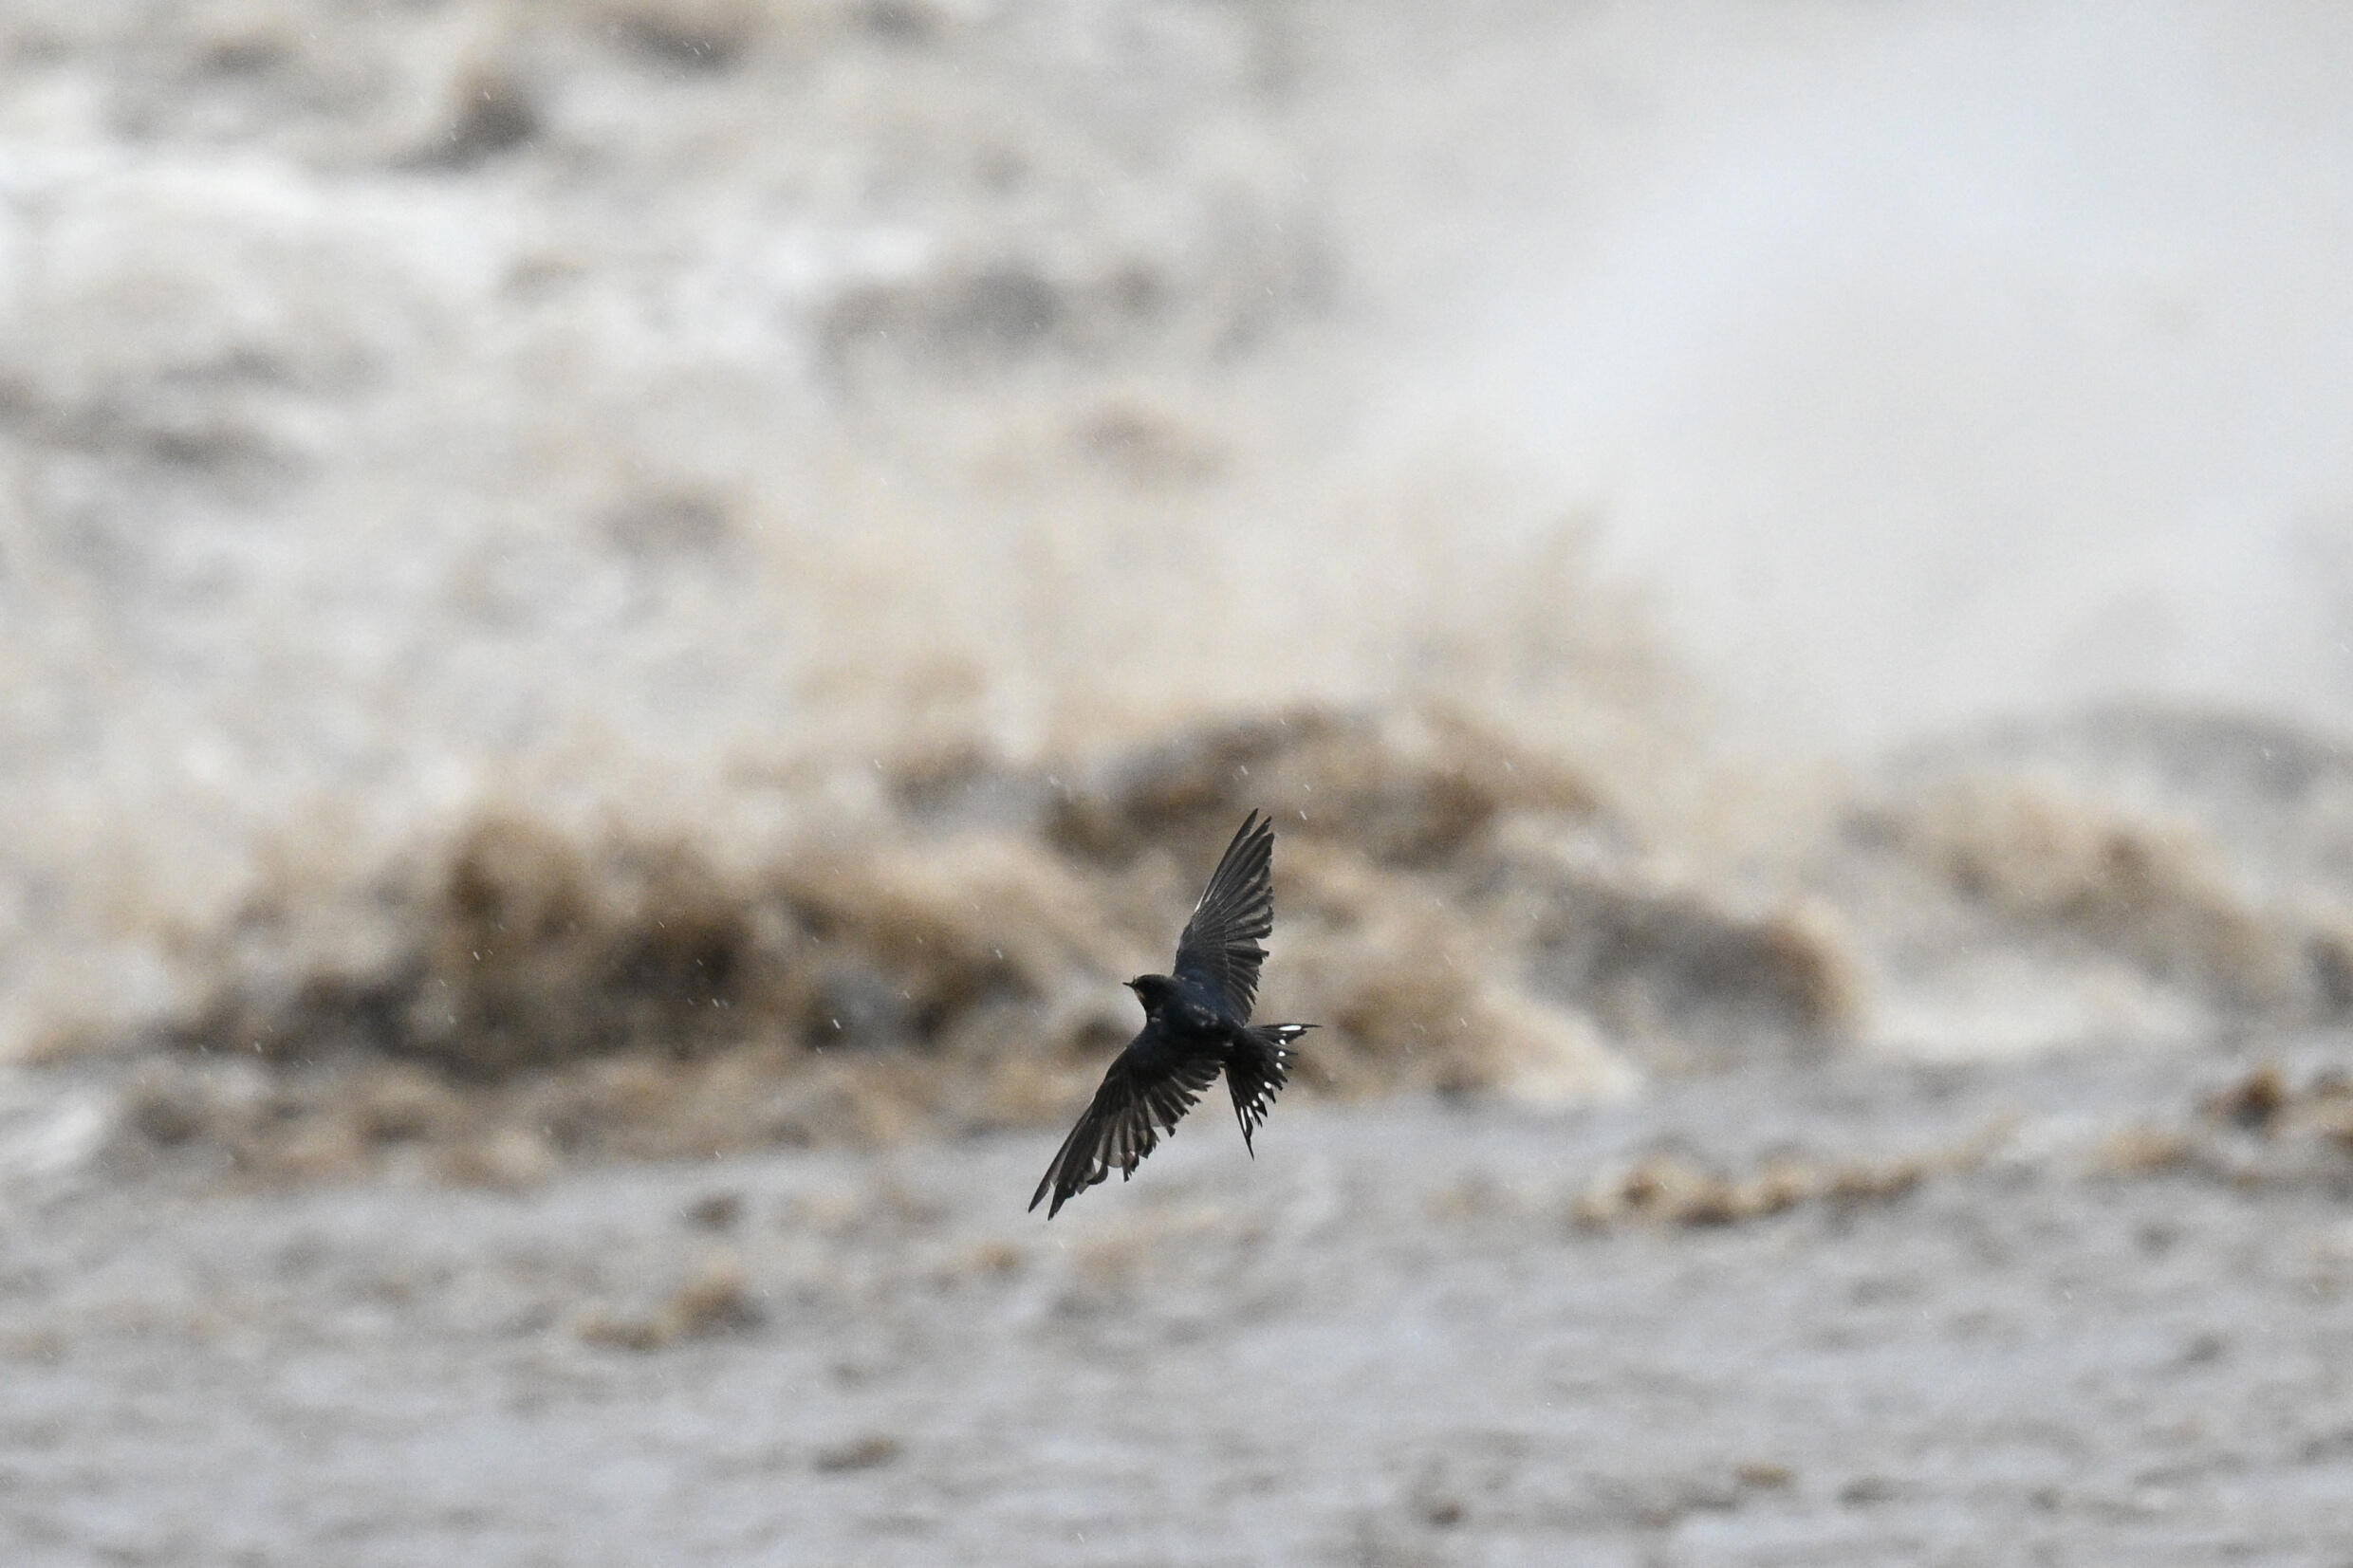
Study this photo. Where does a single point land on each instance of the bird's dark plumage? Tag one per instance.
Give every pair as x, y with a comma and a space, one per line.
1196, 1024
1220, 951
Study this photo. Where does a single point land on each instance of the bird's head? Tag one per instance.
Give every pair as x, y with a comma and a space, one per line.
1150, 990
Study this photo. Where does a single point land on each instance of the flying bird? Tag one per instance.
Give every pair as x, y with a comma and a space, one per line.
1196, 1023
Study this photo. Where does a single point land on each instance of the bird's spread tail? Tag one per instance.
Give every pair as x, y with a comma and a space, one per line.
1257, 1071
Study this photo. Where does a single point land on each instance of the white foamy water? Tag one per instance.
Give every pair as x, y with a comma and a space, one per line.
1941, 363
703, 415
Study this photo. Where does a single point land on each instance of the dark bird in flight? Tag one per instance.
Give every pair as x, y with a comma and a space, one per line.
1196, 1021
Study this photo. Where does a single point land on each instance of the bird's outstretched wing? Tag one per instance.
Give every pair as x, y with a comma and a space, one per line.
1220, 948
1122, 1124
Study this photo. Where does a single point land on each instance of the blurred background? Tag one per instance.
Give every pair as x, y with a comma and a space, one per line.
590, 582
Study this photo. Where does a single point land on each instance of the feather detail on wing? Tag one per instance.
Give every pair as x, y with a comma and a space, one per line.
1220, 948
1254, 1078
1122, 1124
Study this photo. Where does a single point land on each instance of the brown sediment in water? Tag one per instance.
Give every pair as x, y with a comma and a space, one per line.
1665, 1188
2274, 1105
1462, 912
2155, 888
1409, 789
2269, 1126
529, 995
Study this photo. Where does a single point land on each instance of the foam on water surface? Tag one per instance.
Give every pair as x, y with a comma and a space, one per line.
874, 439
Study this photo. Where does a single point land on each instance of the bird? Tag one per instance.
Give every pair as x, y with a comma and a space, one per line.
1196, 1024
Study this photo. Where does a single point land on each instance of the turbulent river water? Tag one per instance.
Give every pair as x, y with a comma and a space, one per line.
698, 580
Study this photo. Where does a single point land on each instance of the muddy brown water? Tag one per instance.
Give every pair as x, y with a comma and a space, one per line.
1384, 1340
584, 584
